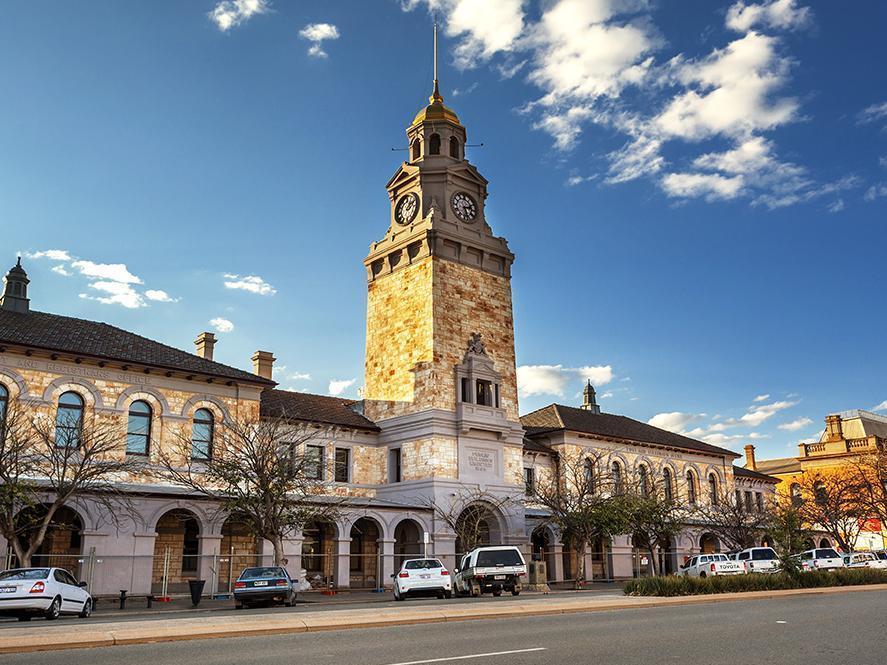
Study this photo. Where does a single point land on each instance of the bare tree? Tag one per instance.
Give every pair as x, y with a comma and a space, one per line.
833, 501
263, 472
468, 513
46, 463
653, 518
736, 525
871, 476
579, 499
788, 531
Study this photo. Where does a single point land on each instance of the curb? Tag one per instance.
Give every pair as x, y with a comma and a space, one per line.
149, 632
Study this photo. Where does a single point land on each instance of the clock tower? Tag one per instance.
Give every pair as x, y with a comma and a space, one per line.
440, 366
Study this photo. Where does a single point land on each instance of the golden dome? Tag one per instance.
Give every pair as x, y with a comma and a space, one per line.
436, 109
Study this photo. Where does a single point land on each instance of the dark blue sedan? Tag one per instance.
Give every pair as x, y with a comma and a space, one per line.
264, 585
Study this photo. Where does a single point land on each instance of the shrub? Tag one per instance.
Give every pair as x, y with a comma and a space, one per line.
674, 585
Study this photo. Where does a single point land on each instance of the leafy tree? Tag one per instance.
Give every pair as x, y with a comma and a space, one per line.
263, 472
47, 462
789, 532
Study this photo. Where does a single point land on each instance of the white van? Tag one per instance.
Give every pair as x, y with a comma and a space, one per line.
493, 569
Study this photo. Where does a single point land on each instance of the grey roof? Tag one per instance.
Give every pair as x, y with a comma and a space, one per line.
779, 465
557, 417
742, 472
82, 338
314, 408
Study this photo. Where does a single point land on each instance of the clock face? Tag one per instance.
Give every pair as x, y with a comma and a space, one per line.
464, 207
406, 209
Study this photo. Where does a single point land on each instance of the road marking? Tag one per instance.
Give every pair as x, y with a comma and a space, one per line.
474, 655
782, 622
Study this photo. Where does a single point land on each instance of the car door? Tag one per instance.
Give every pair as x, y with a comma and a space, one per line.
68, 590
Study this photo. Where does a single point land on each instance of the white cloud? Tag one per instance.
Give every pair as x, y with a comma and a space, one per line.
873, 113
338, 386
675, 421
574, 180
231, 13
221, 325
158, 295
761, 412
875, 191
881, 407
709, 185
836, 206
762, 398
118, 293
53, 254
300, 376
115, 272
553, 379
795, 425
461, 92
61, 270
251, 283
607, 395
782, 14
317, 33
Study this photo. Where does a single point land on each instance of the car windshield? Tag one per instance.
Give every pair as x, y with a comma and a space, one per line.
507, 557
420, 564
719, 557
25, 574
261, 573
826, 554
881, 555
864, 557
763, 554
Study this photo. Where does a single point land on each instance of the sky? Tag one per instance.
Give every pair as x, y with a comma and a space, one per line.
695, 190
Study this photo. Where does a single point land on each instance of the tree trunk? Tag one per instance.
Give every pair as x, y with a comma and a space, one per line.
277, 541
653, 562
580, 563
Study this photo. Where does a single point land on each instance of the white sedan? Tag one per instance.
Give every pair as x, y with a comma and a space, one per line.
422, 577
48, 592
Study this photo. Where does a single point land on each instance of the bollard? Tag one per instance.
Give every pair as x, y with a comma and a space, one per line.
150, 601
122, 599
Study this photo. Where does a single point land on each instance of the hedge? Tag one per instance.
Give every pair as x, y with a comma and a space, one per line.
674, 585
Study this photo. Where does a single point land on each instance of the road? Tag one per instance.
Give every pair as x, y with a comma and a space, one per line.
806, 630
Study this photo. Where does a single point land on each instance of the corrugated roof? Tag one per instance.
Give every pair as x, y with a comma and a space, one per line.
79, 337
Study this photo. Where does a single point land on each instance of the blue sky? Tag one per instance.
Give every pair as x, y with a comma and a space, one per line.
696, 191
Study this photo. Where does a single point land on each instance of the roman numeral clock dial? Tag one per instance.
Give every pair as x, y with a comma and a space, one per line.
464, 207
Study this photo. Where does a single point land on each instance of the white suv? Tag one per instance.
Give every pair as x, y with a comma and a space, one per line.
758, 560
422, 577
821, 558
705, 565
863, 560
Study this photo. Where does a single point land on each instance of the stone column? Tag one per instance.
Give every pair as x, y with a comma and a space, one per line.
142, 562
292, 550
623, 558
587, 564
444, 548
208, 562
387, 549
342, 564
557, 556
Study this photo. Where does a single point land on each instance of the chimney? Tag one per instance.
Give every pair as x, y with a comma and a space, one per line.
834, 430
750, 462
263, 364
205, 343
15, 290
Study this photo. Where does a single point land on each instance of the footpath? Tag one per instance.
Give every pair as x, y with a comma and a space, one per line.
80, 634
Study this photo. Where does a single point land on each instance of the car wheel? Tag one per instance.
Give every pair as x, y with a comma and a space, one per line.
238, 606
290, 601
497, 592
475, 590
448, 594
702, 574
515, 592
54, 610
397, 595
87, 609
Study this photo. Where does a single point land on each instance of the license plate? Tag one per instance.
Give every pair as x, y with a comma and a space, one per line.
7, 589
425, 577
498, 577
260, 584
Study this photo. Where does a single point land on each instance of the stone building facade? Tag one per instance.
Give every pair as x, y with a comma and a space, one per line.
439, 411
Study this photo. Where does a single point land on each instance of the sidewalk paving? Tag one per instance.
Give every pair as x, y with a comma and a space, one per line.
82, 635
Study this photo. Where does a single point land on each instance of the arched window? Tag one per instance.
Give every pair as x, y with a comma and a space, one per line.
590, 481
202, 435
454, 147
713, 489
795, 491
69, 420
644, 480
691, 488
4, 403
616, 469
820, 495
434, 144
667, 485
417, 149
138, 428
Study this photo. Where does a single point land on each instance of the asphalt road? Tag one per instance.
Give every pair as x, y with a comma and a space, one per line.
808, 630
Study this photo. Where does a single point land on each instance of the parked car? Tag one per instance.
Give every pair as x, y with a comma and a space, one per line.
493, 569
881, 554
821, 558
49, 592
264, 584
863, 560
705, 565
422, 577
758, 560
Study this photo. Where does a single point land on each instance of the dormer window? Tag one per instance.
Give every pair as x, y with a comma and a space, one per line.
434, 144
454, 147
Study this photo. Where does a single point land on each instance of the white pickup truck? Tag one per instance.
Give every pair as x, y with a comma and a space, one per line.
705, 565
491, 569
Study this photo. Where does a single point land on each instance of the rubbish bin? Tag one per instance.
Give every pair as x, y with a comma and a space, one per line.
196, 587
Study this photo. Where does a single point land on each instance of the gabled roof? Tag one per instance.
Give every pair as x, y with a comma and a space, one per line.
314, 409
557, 417
742, 472
779, 465
90, 339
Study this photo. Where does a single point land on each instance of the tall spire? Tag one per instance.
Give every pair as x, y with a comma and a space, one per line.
435, 96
